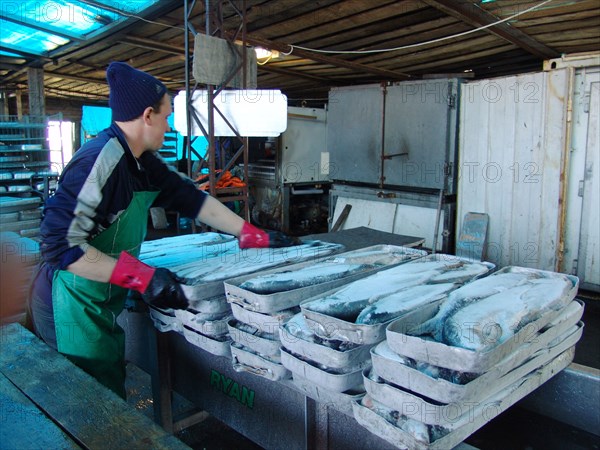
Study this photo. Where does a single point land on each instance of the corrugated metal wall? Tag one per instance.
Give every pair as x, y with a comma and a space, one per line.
511, 148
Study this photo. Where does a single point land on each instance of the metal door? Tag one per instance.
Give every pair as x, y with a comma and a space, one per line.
588, 266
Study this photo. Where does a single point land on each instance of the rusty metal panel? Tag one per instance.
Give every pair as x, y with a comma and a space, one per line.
511, 144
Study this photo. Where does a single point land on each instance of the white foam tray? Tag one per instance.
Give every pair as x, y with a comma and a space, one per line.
455, 358
468, 424
269, 303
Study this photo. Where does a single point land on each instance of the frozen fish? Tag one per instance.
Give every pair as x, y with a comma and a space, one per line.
347, 303
469, 293
487, 323
420, 431
400, 303
297, 328
307, 276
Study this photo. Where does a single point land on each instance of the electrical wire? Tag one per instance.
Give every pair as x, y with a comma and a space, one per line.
419, 44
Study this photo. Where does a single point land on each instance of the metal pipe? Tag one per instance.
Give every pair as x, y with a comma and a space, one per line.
437, 222
382, 177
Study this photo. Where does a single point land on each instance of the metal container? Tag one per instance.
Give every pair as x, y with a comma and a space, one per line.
165, 320
208, 305
245, 360
261, 343
455, 358
469, 423
337, 382
334, 328
433, 413
268, 323
195, 319
386, 255
322, 354
187, 256
216, 346
211, 328
481, 387
341, 401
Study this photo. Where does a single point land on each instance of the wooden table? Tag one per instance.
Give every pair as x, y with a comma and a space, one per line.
48, 402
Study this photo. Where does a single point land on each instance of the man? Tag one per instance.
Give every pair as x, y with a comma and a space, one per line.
95, 223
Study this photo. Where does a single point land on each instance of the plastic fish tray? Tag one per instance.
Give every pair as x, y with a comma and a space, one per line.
332, 381
330, 327
469, 423
479, 389
268, 323
341, 401
245, 360
322, 354
215, 346
165, 320
455, 358
261, 343
269, 303
426, 410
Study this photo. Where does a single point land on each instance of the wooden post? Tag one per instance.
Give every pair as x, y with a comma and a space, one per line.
3, 103
37, 105
19, 98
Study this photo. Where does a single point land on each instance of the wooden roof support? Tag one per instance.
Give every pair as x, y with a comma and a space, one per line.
322, 58
473, 14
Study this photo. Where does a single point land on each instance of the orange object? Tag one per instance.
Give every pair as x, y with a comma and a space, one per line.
226, 180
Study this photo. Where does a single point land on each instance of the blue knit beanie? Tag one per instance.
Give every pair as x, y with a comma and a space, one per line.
131, 91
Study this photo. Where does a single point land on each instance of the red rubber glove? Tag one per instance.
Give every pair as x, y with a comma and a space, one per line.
159, 287
252, 237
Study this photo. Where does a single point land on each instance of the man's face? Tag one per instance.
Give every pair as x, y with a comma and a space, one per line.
159, 125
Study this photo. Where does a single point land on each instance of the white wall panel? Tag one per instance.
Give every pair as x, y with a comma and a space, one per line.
510, 150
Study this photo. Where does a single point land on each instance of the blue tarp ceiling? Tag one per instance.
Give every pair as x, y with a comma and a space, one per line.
33, 27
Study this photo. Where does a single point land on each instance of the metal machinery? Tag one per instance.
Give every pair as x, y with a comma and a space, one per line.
289, 175
393, 156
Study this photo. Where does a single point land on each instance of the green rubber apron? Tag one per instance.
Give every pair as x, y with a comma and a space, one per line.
85, 311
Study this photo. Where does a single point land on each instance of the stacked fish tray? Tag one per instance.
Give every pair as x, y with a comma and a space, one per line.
21, 215
447, 369
204, 261
264, 302
328, 345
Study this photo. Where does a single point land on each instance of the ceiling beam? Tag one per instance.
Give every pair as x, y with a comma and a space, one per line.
65, 76
473, 14
151, 44
283, 48
319, 57
295, 74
